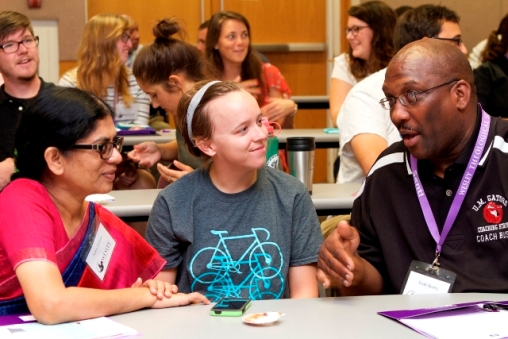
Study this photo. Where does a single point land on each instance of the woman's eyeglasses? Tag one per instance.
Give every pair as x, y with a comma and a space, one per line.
354, 30
105, 149
125, 37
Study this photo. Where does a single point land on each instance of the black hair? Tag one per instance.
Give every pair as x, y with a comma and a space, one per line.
497, 43
168, 55
420, 22
57, 117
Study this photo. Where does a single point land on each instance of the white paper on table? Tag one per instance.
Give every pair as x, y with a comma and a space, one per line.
477, 324
85, 329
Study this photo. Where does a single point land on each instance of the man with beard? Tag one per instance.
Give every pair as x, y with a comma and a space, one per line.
19, 62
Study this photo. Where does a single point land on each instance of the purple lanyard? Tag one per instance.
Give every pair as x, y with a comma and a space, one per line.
461, 192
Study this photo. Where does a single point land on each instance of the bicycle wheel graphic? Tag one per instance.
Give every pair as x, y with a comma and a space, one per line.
264, 288
215, 289
264, 255
206, 260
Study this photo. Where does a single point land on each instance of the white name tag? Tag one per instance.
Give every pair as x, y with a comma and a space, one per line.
100, 254
422, 278
124, 113
418, 283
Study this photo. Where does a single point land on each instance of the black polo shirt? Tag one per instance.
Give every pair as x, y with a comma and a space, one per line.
10, 113
393, 230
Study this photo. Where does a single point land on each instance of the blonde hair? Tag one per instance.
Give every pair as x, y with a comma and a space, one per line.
99, 64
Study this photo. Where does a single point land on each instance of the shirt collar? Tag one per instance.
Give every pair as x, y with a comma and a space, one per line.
4, 96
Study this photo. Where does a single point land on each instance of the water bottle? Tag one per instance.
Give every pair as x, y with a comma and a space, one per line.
272, 145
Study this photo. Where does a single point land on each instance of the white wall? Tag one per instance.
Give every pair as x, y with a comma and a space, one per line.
47, 31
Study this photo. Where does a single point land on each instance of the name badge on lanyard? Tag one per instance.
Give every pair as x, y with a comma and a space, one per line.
101, 251
425, 278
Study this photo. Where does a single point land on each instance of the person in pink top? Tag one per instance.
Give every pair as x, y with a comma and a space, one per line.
228, 47
62, 258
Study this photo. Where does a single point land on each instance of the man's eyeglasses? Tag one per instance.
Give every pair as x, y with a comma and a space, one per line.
408, 98
457, 41
125, 37
13, 46
354, 30
105, 149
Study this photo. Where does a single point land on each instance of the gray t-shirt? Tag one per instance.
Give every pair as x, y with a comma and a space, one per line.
237, 245
184, 156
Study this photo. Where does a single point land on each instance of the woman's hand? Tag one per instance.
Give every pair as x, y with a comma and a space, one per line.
159, 288
251, 86
181, 299
173, 175
278, 108
145, 154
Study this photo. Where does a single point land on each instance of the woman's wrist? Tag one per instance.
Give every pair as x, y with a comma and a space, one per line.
292, 114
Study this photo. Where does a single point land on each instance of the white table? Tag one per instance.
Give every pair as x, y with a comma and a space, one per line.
323, 140
323, 318
327, 198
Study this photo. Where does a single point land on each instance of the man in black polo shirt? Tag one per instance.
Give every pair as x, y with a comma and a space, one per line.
19, 62
438, 197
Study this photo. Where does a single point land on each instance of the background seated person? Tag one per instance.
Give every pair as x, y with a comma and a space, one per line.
369, 33
165, 70
491, 77
438, 195
67, 149
365, 127
229, 32
20, 82
235, 227
102, 54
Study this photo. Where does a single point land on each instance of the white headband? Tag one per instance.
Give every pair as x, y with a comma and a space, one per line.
193, 104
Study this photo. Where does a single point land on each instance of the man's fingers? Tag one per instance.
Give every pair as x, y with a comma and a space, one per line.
345, 231
322, 278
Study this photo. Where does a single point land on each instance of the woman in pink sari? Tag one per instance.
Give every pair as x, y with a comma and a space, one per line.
62, 258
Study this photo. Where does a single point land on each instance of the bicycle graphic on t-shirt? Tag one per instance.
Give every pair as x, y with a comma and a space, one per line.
215, 270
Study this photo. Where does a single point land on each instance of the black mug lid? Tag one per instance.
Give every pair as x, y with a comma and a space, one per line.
300, 144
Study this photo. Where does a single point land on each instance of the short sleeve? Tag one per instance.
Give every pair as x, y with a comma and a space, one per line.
306, 234
341, 70
29, 217
160, 234
275, 79
361, 111
69, 79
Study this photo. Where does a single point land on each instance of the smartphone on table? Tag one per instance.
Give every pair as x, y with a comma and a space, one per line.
230, 307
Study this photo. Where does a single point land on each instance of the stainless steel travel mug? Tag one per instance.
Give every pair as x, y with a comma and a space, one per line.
301, 152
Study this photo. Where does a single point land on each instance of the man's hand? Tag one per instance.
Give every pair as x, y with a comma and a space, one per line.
338, 258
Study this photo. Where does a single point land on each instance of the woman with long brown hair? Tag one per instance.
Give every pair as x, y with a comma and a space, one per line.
101, 70
369, 33
228, 48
